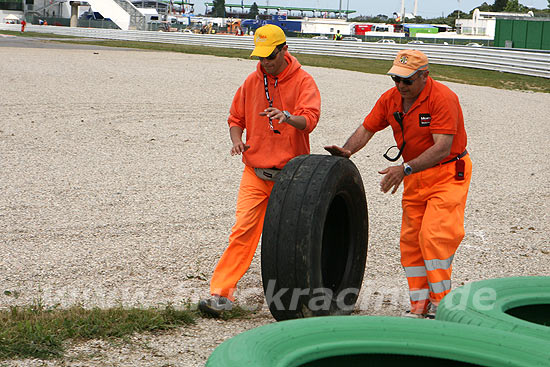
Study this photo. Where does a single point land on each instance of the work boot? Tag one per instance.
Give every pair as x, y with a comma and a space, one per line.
215, 305
432, 310
412, 315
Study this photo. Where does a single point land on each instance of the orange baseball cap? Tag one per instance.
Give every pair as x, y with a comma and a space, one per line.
266, 39
408, 62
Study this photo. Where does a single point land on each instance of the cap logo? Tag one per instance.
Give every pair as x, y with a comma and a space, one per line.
403, 59
261, 38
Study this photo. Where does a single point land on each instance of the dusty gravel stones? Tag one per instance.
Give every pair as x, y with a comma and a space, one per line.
118, 188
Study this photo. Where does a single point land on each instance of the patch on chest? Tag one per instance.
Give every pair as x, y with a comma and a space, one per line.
424, 119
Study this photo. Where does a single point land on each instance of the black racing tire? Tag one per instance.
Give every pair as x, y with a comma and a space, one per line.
517, 304
377, 341
315, 238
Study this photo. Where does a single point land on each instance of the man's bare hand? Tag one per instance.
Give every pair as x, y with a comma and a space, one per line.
239, 148
393, 176
338, 151
274, 113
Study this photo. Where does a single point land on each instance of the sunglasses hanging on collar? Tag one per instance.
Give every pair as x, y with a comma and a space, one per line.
399, 118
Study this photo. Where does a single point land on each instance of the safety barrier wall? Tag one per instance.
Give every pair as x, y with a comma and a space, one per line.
534, 63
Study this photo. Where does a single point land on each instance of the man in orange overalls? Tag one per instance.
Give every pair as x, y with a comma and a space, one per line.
428, 126
279, 106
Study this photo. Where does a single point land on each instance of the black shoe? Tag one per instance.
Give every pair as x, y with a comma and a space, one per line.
432, 310
215, 305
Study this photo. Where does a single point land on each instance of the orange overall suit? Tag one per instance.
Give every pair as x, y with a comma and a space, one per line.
293, 90
433, 199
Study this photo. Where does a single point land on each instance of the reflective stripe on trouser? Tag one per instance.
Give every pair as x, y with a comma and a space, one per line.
245, 234
431, 230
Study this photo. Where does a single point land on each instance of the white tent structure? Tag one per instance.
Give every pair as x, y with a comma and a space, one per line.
11, 18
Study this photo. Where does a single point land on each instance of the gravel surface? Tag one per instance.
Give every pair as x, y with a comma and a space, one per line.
118, 188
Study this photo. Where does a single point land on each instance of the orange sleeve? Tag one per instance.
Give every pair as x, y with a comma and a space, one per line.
237, 110
445, 113
376, 120
308, 104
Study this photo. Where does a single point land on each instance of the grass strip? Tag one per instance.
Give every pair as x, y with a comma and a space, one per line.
487, 78
41, 332
36, 34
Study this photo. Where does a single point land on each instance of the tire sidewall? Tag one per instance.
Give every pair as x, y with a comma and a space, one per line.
344, 185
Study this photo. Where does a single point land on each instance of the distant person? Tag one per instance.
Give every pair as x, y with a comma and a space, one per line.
23, 25
279, 106
338, 36
40, 22
45, 22
428, 126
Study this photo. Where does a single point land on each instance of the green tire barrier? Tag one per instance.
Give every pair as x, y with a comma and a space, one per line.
517, 304
377, 341
315, 238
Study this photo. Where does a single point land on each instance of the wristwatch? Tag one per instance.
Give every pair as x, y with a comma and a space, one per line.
407, 169
287, 115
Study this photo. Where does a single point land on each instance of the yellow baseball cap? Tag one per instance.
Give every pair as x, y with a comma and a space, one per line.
266, 39
408, 62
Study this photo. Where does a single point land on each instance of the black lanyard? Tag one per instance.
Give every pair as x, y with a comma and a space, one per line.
270, 100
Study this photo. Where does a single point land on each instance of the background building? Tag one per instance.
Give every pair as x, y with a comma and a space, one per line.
531, 33
11, 7
483, 23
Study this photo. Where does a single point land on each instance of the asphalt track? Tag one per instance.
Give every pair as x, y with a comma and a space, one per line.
47, 43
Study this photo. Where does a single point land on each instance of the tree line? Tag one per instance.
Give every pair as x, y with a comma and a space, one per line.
508, 6
218, 9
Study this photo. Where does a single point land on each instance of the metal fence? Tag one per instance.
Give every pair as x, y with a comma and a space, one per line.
525, 62
66, 22
55, 21
97, 23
